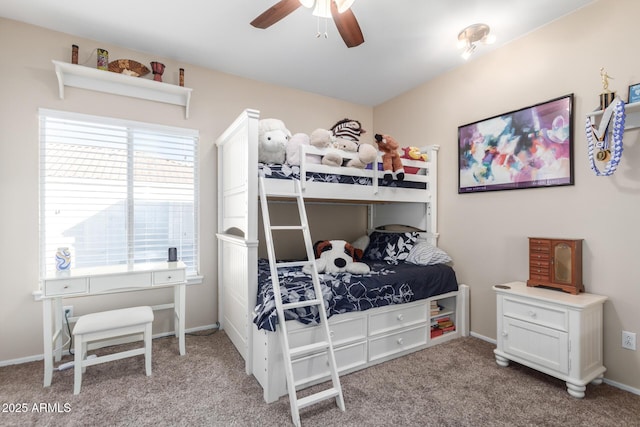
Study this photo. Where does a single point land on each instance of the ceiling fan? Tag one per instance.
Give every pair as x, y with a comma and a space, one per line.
340, 10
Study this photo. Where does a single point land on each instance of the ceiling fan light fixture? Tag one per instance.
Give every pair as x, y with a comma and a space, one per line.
468, 51
476, 33
344, 5
322, 9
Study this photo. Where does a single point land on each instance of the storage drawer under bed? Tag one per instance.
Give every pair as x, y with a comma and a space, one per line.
350, 329
313, 368
400, 316
388, 345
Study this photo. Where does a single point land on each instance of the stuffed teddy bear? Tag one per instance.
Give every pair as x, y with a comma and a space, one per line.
293, 150
391, 163
273, 136
413, 153
337, 256
343, 136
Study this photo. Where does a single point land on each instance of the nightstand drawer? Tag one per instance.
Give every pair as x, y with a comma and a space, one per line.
548, 315
166, 277
65, 286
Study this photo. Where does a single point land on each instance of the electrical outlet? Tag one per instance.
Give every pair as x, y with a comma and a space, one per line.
67, 311
629, 340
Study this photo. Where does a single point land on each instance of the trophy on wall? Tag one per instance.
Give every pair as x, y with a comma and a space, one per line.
605, 138
607, 96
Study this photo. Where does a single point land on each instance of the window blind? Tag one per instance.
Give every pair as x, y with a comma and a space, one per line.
116, 192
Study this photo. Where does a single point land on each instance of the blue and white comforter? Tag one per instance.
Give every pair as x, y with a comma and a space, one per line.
344, 292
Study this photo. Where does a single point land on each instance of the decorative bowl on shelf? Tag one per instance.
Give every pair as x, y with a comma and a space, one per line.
128, 67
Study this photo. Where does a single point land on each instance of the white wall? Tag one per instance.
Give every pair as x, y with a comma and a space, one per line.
28, 82
486, 233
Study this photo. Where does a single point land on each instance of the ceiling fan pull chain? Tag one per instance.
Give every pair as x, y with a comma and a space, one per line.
318, 33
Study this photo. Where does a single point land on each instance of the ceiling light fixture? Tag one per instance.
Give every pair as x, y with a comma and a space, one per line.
322, 8
476, 33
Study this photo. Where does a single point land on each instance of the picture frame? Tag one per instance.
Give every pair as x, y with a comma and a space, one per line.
634, 93
527, 148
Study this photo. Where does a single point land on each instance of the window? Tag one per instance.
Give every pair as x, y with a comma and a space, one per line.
116, 192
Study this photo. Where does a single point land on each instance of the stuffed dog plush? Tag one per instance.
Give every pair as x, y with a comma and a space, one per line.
337, 256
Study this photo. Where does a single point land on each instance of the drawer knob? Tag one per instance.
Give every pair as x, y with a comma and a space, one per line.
400, 340
169, 277
504, 334
331, 334
400, 317
66, 287
532, 314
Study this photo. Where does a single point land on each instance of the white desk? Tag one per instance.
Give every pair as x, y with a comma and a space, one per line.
97, 281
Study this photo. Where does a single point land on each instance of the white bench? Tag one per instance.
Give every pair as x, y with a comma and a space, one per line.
106, 325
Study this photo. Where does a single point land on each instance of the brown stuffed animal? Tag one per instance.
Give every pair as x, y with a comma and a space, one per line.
391, 163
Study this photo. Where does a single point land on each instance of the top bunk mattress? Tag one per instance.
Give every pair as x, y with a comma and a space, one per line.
386, 284
347, 176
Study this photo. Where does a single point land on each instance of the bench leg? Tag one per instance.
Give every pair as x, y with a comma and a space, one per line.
77, 366
147, 349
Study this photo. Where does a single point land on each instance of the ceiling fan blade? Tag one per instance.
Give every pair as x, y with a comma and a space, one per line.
275, 13
347, 25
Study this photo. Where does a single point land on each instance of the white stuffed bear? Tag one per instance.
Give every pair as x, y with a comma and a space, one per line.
337, 256
273, 136
293, 150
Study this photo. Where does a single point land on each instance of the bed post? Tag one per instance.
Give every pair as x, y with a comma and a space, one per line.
433, 188
238, 230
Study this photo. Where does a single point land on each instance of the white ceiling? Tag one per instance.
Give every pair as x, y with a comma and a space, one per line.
407, 42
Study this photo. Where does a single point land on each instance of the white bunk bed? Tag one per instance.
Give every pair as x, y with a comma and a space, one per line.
361, 339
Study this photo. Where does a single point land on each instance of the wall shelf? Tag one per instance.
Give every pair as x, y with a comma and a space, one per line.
79, 76
632, 111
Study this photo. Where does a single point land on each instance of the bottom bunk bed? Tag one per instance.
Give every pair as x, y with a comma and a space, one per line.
390, 312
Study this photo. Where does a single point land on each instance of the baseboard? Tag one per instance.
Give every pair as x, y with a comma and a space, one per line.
607, 381
116, 341
482, 337
622, 386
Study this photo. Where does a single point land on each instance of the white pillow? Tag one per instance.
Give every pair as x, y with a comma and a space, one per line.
361, 243
422, 253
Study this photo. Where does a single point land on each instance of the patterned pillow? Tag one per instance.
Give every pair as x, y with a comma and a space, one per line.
425, 254
390, 247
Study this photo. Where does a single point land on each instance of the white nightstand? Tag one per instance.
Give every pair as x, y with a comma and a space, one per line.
551, 331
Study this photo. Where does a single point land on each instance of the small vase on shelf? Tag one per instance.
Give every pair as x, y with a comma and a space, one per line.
157, 68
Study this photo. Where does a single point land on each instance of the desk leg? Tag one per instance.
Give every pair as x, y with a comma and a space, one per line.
47, 334
179, 313
58, 331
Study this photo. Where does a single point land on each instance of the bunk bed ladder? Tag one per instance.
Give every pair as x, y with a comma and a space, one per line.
325, 346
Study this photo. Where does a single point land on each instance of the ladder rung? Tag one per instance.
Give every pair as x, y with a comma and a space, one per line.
292, 264
305, 303
318, 397
287, 227
288, 195
310, 348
